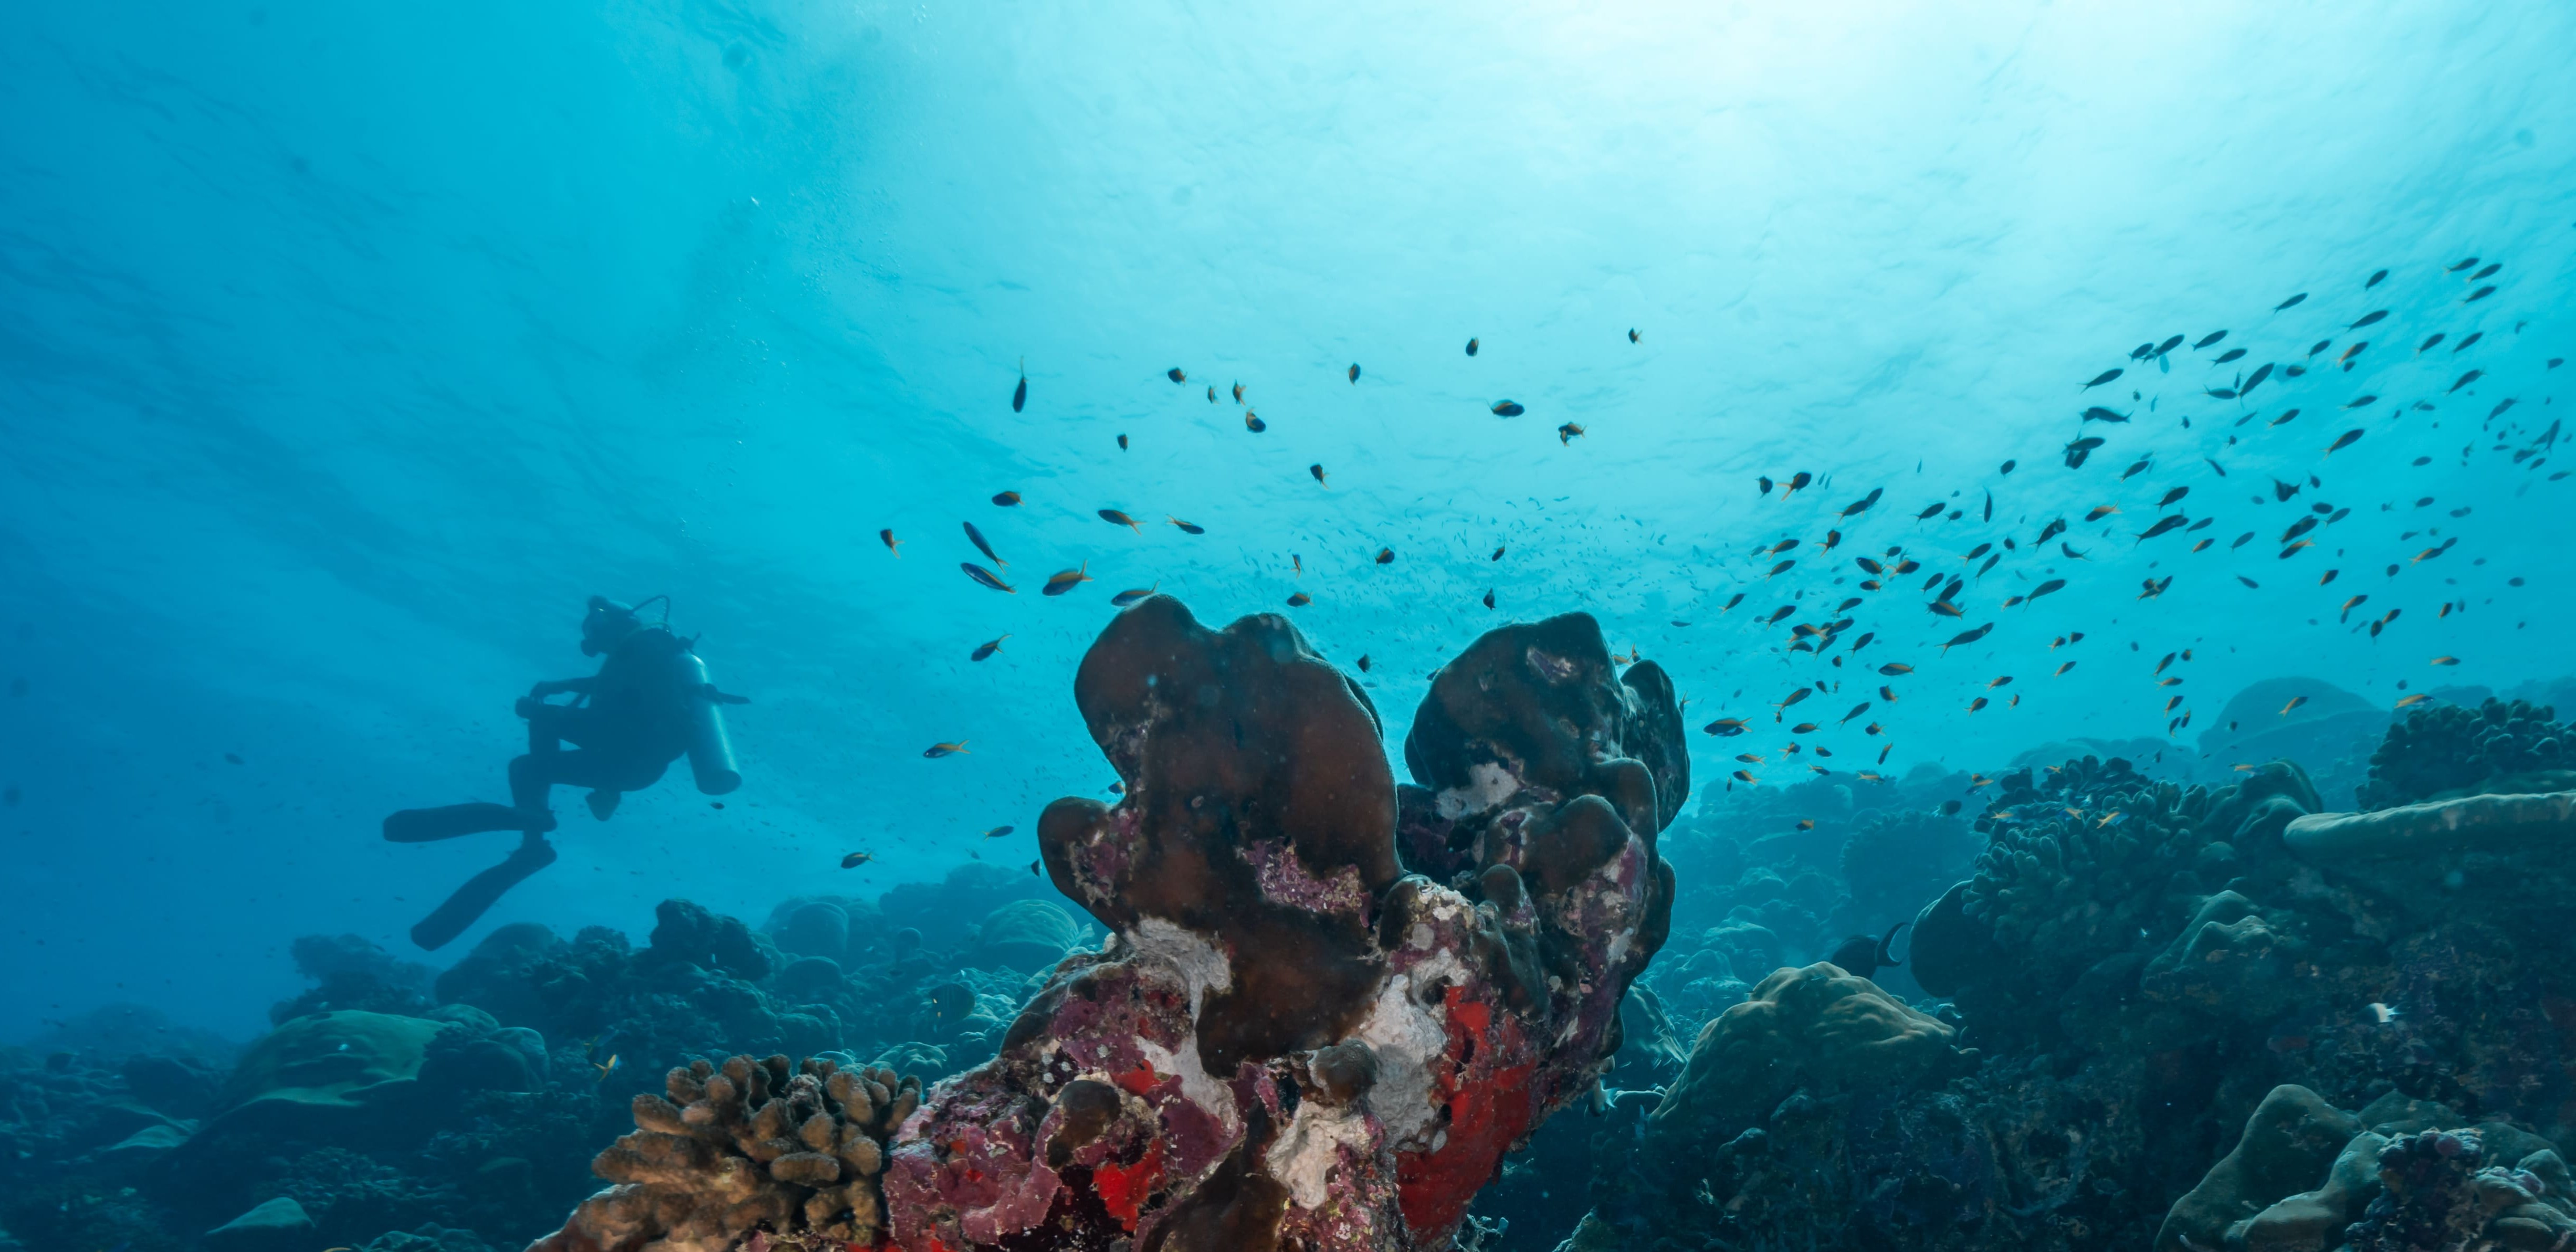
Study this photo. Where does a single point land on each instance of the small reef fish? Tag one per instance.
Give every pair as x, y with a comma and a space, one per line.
1364, 662
1299, 600
2290, 302
1116, 518
999, 831
606, 1068
1507, 408
1355, 371
985, 577
1317, 469
2105, 376
891, 543
1632, 334
1568, 432
987, 649
1238, 393
1386, 556
857, 859
1471, 347
1725, 727
1186, 527
1065, 580
938, 750
1132, 595
1006, 499
1211, 393
1252, 422
976, 537
1176, 374
1020, 394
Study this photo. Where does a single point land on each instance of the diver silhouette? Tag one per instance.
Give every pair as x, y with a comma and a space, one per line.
649, 705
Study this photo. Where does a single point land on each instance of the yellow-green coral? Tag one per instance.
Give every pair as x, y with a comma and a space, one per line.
752, 1145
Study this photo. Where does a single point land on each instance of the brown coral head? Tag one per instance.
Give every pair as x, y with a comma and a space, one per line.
1541, 705
1258, 821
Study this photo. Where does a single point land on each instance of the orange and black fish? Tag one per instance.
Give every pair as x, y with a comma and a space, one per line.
2101, 511
1498, 554
1132, 595
1355, 371
1187, 528
1725, 727
1065, 580
976, 537
1386, 556
1317, 469
2343, 441
857, 859
1300, 600
1507, 408
1006, 498
938, 750
1238, 393
1894, 668
1471, 347
1117, 518
987, 649
891, 543
1176, 375
1966, 637
1632, 334
1568, 432
1252, 422
985, 577
1122, 441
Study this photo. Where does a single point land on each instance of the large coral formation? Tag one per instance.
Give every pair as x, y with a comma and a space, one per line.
1287, 1042
2443, 750
792, 1153
1833, 1044
2508, 856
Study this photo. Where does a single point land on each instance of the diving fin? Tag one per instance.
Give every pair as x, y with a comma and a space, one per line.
479, 893
451, 821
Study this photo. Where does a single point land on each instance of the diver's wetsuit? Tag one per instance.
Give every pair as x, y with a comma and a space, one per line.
632, 722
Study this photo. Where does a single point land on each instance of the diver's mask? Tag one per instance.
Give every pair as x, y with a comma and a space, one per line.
606, 624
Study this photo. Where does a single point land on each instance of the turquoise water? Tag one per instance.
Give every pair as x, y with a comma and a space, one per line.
346, 349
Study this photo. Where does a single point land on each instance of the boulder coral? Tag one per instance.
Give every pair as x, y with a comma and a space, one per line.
751, 1151
1818, 1037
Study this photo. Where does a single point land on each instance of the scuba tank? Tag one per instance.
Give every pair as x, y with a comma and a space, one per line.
710, 749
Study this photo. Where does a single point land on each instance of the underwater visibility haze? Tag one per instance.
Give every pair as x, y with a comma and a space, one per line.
2065, 504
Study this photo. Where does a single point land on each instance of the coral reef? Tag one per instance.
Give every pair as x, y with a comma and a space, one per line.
750, 1146
2443, 750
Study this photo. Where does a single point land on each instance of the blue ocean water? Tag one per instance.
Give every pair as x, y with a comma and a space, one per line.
347, 349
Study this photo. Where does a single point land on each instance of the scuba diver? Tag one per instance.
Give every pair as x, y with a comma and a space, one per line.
649, 705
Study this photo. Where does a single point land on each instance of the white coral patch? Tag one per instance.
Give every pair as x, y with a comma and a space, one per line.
1305, 1154
1488, 784
1408, 1035
1202, 967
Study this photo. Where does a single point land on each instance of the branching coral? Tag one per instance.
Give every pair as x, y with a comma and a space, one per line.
2446, 748
793, 1154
